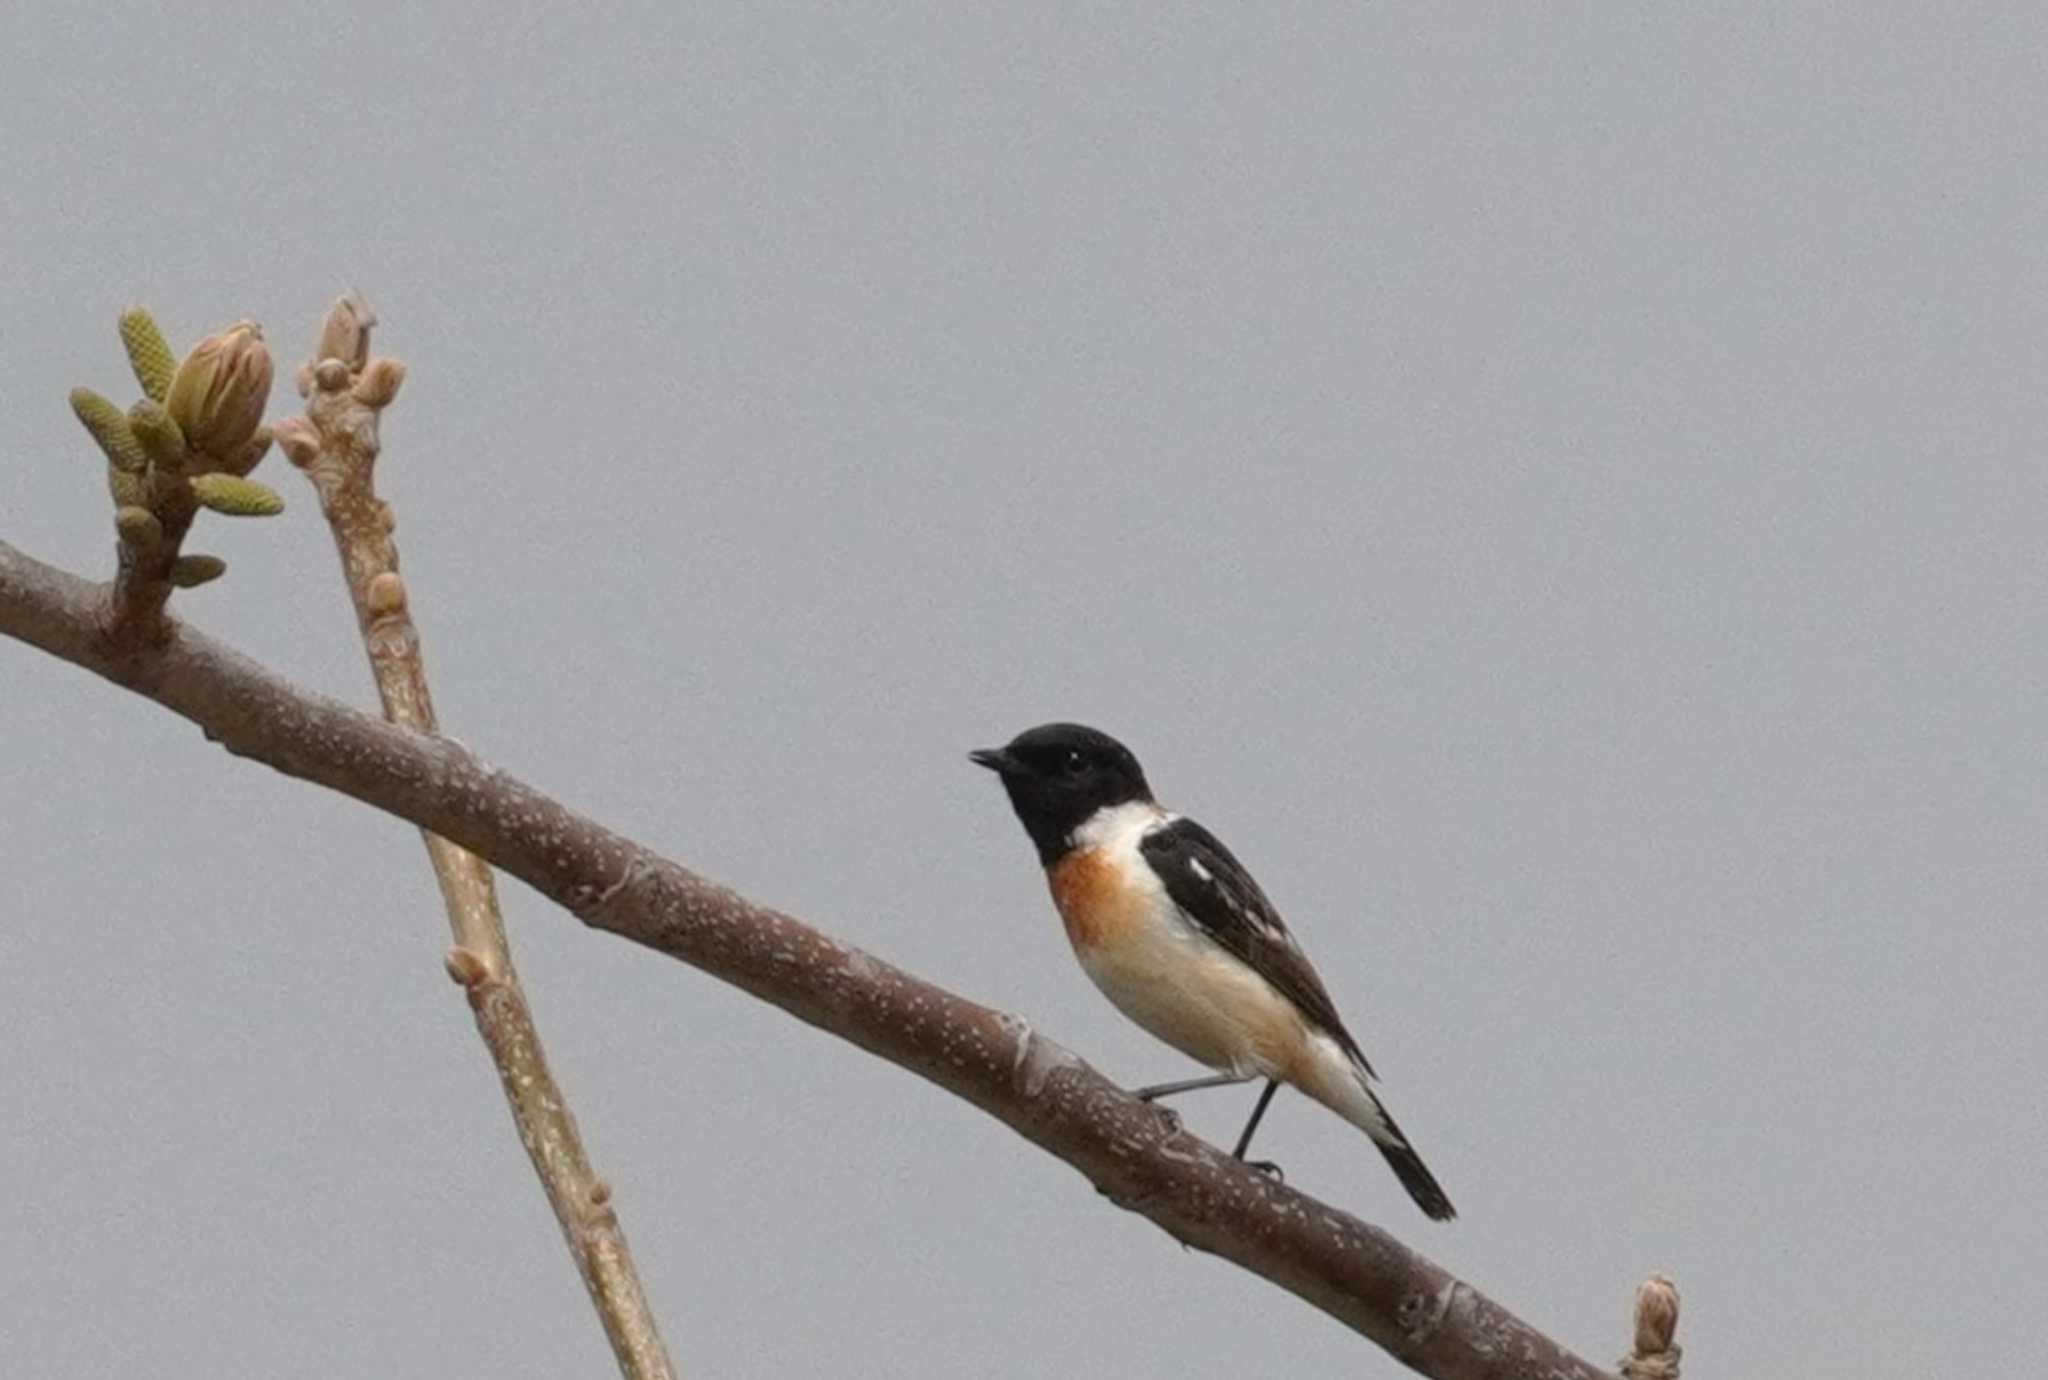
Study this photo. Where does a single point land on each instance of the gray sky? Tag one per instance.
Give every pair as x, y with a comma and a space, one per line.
1560, 490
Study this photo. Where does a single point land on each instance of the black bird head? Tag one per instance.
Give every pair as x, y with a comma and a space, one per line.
1059, 775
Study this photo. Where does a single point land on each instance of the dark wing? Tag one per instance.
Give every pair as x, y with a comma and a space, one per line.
1219, 897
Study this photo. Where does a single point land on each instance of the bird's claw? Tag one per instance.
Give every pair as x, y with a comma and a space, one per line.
1269, 1168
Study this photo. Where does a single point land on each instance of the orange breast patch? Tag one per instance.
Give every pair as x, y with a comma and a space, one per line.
1093, 899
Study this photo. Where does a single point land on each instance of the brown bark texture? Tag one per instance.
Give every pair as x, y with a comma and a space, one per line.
1135, 1154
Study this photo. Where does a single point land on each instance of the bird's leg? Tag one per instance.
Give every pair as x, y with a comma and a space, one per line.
1244, 1142
1214, 1080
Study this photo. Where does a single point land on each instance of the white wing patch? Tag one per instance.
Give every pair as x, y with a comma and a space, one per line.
1222, 890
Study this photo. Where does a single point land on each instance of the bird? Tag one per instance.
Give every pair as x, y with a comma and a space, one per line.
1176, 933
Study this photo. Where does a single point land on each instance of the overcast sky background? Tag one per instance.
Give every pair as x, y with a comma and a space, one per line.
1559, 488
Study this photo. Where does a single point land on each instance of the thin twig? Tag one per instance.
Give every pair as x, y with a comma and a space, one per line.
337, 445
142, 582
1132, 1153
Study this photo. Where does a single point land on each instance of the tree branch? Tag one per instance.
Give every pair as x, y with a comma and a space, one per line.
1133, 1153
336, 444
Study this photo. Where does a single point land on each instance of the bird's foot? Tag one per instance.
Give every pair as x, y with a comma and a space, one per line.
1269, 1168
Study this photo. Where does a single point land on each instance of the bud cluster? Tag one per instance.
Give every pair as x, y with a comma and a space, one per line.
188, 443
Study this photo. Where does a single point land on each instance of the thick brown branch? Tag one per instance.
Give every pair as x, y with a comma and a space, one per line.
1128, 1149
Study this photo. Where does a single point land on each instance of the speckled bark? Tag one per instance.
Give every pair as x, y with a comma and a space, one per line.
1131, 1151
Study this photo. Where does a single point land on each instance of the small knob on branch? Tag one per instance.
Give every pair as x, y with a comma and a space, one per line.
1656, 1351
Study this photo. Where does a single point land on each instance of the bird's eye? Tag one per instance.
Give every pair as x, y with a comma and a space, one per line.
1076, 762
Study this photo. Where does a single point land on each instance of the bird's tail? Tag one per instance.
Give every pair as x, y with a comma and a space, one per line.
1413, 1173
1345, 1090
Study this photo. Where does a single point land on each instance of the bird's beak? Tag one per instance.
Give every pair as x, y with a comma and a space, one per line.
995, 759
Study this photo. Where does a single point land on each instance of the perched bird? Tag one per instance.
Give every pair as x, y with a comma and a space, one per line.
1177, 934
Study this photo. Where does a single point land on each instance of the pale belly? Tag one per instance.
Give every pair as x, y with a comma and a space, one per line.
1180, 985
1186, 991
